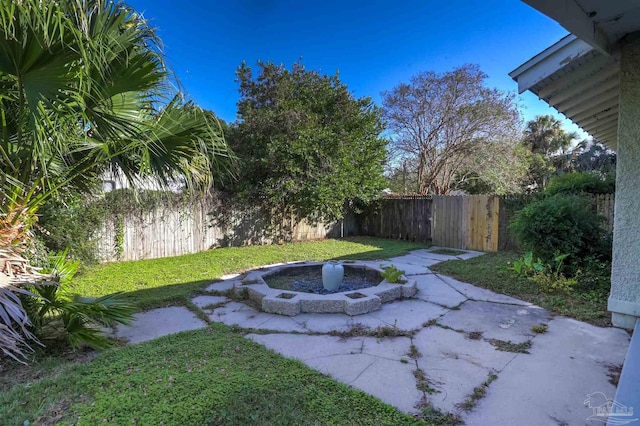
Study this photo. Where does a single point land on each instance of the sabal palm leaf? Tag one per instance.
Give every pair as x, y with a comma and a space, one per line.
181, 141
88, 93
83, 87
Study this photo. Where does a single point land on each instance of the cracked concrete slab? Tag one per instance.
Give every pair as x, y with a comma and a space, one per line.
439, 342
388, 379
477, 293
391, 381
307, 347
413, 260
550, 385
159, 322
430, 256
433, 289
547, 386
455, 365
408, 314
391, 348
202, 301
496, 320
235, 313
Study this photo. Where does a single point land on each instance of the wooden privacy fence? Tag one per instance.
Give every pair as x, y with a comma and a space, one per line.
191, 228
470, 222
604, 204
467, 222
405, 218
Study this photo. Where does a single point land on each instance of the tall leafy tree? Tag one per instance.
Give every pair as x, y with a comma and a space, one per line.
591, 156
450, 125
306, 145
84, 89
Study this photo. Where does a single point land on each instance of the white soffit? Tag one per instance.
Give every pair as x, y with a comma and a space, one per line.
580, 82
579, 76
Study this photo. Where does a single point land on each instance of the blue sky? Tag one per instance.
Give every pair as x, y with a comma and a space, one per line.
374, 44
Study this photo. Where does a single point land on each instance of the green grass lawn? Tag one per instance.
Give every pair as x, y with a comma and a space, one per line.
212, 376
172, 280
205, 377
492, 271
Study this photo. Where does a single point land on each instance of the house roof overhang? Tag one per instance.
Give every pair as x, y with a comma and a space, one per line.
579, 75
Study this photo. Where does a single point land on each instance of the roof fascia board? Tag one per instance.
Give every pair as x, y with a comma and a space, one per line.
574, 19
549, 61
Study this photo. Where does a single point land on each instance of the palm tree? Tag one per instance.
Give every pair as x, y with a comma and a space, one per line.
548, 142
545, 135
84, 89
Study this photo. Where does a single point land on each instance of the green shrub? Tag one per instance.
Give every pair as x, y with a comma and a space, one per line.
527, 266
561, 224
578, 183
548, 277
551, 282
73, 224
595, 277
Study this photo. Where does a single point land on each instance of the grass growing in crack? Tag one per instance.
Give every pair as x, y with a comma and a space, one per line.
477, 394
379, 332
475, 335
539, 328
197, 311
213, 306
430, 323
434, 416
414, 353
422, 383
435, 323
446, 327
509, 346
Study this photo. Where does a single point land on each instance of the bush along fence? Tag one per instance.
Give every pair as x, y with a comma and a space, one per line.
198, 225
470, 222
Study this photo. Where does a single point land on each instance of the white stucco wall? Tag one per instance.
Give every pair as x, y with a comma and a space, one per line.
624, 301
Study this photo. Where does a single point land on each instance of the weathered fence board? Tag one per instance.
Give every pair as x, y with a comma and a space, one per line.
405, 218
605, 207
467, 222
166, 232
448, 227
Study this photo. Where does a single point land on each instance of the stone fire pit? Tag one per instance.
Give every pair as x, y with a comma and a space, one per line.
351, 302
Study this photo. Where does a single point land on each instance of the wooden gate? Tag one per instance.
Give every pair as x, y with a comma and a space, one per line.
467, 222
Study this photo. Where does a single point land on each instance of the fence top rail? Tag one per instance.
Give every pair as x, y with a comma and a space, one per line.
406, 197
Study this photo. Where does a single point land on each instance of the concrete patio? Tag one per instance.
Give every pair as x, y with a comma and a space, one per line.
449, 343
